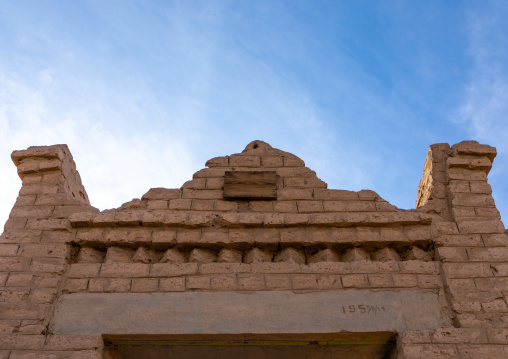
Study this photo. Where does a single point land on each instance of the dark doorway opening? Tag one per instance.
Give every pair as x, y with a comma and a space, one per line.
379, 345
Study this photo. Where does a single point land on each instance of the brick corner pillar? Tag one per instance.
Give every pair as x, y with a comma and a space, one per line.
35, 247
472, 250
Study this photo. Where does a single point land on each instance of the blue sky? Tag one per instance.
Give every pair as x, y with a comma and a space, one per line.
144, 92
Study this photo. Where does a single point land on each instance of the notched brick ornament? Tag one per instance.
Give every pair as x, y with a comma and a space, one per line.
250, 185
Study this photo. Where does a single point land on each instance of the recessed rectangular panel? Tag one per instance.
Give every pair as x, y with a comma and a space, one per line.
236, 313
250, 185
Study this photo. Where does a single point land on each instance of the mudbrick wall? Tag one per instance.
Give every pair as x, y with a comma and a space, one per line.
310, 262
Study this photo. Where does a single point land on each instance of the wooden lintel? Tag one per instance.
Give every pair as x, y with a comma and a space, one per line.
250, 185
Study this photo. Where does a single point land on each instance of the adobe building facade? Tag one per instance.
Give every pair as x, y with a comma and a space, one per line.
255, 258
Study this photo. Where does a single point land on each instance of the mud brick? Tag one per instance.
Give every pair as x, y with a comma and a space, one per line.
335, 195
327, 267
47, 224
162, 194
418, 266
180, 204
210, 172
8, 249
361, 206
32, 211
487, 212
175, 219
465, 285
251, 282
495, 306
14, 264
200, 194
459, 186
481, 226
176, 284
451, 254
14, 296
144, 285
280, 267
111, 285
368, 234
446, 228
218, 162
278, 281
306, 281
285, 194
196, 183
49, 265
69, 342
480, 187
294, 219
271, 161
225, 205
225, 282
355, 281
462, 211
492, 284
173, 269
245, 161
167, 236
495, 240
186, 236
214, 183
488, 254
215, 268
83, 270
19, 280
93, 235
261, 206
472, 199
380, 280
45, 250
467, 270
75, 285
215, 235
284, 206
367, 266
426, 351
309, 206
90, 255
329, 282
415, 337
429, 281
202, 205
156, 204
405, 280
466, 175
197, 282
460, 240
124, 270
482, 351
26, 342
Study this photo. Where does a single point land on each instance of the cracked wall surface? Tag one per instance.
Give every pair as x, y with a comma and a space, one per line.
334, 262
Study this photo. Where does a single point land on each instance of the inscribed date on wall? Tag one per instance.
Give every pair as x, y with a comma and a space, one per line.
363, 309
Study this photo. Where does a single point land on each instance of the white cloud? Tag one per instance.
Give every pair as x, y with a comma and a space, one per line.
114, 166
485, 106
